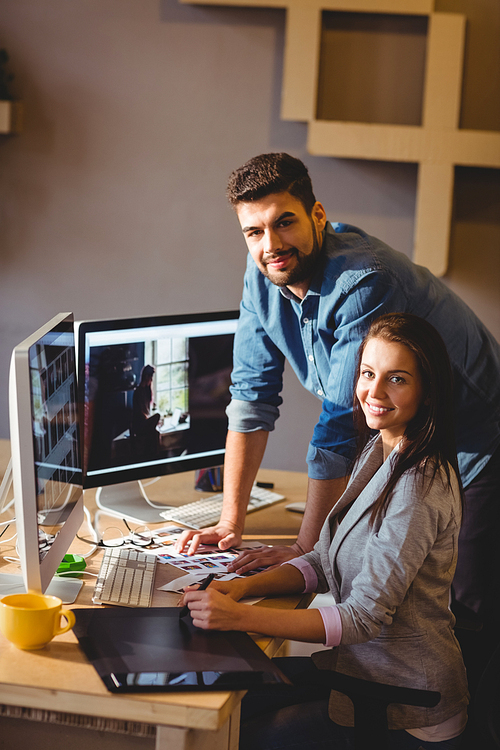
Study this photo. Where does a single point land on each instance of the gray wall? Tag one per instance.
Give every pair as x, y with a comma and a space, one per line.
112, 198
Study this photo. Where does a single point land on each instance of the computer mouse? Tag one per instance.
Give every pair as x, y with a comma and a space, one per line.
296, 507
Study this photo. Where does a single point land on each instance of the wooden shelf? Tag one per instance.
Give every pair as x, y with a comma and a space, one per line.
10, 116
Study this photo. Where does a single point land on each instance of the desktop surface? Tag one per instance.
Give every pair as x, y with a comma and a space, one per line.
60, 678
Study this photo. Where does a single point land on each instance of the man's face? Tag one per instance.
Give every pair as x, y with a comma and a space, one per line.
283, 239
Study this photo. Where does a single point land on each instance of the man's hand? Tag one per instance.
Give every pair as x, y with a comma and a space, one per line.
244, 451
224, 535
259, 557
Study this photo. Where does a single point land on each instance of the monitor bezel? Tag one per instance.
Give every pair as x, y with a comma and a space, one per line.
37, 573
122, 475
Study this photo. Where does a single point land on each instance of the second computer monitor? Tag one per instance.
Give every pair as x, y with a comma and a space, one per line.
45, 457
153, 394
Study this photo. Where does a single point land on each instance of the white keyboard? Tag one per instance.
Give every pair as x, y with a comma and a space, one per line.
207, 510
126, 578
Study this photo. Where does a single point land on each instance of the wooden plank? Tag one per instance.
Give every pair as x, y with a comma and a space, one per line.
401, 7
11, 116
181, 712
356, 140
5, 116
406, 143
404, 7
444, 67
241, 3
433, 216
474, 148
301, 63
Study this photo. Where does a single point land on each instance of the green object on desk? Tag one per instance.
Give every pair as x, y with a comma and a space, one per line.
71, 565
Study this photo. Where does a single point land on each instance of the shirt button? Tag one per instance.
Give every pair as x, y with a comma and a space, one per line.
320, 392
311, 358
305, 320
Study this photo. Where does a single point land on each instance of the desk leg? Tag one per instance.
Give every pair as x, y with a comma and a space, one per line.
176, 738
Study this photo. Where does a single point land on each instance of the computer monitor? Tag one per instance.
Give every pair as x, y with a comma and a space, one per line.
153, 393
46, 472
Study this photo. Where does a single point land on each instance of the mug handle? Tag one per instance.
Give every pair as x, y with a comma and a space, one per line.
70, 617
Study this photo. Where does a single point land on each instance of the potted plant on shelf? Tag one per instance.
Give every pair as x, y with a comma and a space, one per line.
9, 108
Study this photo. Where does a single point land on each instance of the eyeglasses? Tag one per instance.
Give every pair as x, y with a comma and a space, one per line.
114, 537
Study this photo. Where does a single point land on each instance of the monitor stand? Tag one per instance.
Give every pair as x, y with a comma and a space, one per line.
129, 501
5, 487
66, 589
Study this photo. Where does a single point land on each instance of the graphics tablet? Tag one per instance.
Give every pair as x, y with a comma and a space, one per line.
153, 650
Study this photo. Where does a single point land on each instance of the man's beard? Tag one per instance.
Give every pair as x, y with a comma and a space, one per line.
303, 268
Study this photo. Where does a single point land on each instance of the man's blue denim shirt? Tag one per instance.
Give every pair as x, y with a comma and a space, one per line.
359, 279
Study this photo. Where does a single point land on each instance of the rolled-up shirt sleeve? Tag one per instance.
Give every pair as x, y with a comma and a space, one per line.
333, 625
249, 416
307, 570
324, 464
330, 615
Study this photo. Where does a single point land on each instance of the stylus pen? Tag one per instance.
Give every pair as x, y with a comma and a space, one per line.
203, 585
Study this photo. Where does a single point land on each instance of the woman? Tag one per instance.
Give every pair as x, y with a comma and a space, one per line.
143, 421
387, 552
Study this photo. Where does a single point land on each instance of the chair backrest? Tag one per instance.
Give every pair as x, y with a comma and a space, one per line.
370, 700
487, 703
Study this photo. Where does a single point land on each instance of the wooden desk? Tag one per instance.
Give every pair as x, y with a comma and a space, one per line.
59, 682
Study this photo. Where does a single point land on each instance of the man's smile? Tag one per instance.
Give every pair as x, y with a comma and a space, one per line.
281, 260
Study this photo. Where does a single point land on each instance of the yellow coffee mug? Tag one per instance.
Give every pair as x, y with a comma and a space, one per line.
30, 621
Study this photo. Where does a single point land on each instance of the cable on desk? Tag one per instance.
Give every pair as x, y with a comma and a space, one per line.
92, 531
7, 524
5, 487
146, 498
150, 481
72, 573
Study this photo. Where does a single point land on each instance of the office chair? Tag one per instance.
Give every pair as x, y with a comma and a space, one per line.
371, 700
480, 644
486, 705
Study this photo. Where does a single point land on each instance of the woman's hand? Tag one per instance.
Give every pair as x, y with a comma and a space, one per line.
234, 589
214, 610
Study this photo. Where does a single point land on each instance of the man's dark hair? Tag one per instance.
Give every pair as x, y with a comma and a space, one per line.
271, 173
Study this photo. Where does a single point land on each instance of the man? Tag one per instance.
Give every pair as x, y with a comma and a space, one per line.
311, 290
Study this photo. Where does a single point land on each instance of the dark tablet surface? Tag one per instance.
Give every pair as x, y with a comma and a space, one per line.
153, 650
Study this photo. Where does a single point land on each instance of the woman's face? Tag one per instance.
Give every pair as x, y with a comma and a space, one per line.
389, 389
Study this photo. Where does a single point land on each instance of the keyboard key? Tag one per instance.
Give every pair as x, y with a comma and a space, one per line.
126, 578
206, 511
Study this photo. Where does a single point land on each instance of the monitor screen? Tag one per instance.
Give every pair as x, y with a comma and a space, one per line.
44, 432
154, 393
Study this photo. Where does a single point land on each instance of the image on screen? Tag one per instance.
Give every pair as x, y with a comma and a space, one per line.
55, 426
155, 394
